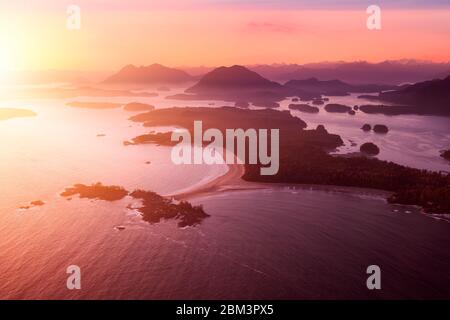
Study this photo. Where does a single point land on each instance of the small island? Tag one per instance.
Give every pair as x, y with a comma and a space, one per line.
160, 138
304, 108
337, 108
318, 102
266, 104
153, 207
96, 191
369, 148
36, 203
380, 128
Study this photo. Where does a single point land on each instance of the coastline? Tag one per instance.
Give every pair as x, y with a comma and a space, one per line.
232, 181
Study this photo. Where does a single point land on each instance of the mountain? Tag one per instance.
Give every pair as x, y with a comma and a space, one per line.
335, 87
237, 84
428, 97
153, 74
387, 72
232, 78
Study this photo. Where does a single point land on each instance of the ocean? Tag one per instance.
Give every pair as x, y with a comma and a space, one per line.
276, 243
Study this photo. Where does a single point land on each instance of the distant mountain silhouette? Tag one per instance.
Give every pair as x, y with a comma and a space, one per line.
335, 87
238, 83
235, 83
153, 74
428, 97
236, 78
386, 72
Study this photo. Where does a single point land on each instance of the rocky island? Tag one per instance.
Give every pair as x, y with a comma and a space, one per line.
153, 207
96, 191
159, 138
36, 203
380, 128
369, 148
337, 108
304, 108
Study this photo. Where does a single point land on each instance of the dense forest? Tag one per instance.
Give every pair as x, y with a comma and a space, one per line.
311, 165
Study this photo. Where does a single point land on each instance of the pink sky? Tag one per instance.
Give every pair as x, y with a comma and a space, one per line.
35, 36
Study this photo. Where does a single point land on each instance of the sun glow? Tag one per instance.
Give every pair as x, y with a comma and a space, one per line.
4, 58
109, 39
5, 64
9, 56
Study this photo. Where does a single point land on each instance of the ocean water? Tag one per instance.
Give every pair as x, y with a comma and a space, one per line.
290, 244
264, 244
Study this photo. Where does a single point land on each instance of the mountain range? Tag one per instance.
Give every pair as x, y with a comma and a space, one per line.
152, 74
393, 72
240, 84
335, 87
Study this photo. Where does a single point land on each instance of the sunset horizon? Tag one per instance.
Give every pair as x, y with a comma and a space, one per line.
35, 37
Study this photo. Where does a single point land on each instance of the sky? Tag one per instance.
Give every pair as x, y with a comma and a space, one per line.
113, 33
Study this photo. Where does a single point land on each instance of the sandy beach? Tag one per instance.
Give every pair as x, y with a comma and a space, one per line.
232, 181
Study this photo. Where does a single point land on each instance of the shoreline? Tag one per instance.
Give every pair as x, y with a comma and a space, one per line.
232, 181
